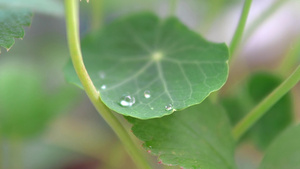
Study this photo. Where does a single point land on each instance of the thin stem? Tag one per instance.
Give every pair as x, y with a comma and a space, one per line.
290, 59
264, 16
214, 11
96, 14
266, 104
72, 24
237, 37
16, 159
1, 153
173, 7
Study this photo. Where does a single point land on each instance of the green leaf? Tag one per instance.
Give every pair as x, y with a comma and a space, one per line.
11, 22
197, 137
258, 86
25, 107
14, 14
284, 152
50, 7
142, 53
234, 108
278, 117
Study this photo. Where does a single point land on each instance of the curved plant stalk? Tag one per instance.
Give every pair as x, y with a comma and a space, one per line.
1, 153
237, 37
173, 6
96, 14
16, 156
266, 104
291, 58
72, 19
214, 11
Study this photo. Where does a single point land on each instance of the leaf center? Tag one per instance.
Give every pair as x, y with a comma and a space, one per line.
157, 56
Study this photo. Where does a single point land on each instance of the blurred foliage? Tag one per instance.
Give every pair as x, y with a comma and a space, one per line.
258, 86
25, 105
284, 152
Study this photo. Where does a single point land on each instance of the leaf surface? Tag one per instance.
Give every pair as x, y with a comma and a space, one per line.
194, 138
142, 55
11, 25
284, 152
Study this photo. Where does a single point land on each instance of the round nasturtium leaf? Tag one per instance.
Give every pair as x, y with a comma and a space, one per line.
146, 67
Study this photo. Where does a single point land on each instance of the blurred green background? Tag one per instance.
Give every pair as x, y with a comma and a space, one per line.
46, 123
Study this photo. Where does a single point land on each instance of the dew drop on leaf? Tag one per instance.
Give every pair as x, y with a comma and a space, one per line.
103, 87
147, 94
169, 107
127, 101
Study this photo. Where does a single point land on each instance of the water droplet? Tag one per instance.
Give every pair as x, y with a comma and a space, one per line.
147, 94
169, 107
103, 87
127, 101
102, 75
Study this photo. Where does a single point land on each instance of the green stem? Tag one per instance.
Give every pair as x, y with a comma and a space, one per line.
237, 37
16, 159
266, 104
290, 59
214, 11
97, 12
72, 24
1, 153
263, 17
173, 7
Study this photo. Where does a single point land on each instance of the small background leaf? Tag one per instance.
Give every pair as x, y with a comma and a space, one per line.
11, 22
25, 106
258, 86
284, 152
142, 53
197, 137
14, 14
50, 7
